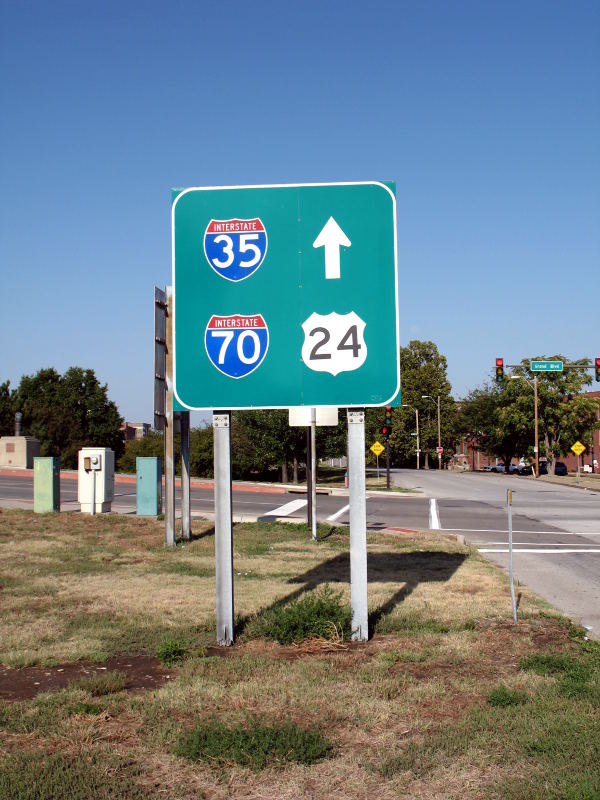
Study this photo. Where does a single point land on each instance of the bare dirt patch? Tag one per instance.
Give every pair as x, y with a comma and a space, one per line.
143, 672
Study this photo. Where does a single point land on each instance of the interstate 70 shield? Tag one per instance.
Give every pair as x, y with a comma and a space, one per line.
236, 344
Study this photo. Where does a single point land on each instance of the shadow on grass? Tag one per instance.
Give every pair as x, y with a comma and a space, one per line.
411, 569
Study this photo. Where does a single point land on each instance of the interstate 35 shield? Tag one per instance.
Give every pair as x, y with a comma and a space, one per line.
235, 248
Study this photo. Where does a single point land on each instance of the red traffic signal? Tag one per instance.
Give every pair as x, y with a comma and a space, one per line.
386, 430
597, 364
499, 370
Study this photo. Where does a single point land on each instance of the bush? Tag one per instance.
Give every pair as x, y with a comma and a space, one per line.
501, 697
318, 614
169, 651
255, 744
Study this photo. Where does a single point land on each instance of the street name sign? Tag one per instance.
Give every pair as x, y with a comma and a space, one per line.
578, 448
285, 296
377, 448
546, 366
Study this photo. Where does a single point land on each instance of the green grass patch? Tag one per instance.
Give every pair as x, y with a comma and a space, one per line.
54, 776
171, 651
501, 697
255, 744
185, 568
101, 684
91, 709
318, 614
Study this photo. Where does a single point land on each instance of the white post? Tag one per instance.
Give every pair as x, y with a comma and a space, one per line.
510, 554
313, 469
223, 527
169, 432
358, 524
186, 528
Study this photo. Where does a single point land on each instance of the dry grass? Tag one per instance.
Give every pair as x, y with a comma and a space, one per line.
76, 587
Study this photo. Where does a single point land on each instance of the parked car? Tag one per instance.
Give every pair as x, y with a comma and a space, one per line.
560, 468
525, 469
494, 468
543, 468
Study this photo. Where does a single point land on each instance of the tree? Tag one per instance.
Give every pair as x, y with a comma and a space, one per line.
495, 425
7, 411
263, 440
564, 413
68, 412
423, 372
501, 418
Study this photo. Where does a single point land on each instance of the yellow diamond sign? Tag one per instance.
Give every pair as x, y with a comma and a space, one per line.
578, 448
377, 448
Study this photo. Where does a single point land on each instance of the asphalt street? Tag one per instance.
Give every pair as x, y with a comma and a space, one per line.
556, 529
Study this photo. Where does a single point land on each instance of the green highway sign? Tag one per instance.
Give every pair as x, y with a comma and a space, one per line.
546, 366
285, 296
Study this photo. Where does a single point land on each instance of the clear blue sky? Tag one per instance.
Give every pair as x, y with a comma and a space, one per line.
486, 114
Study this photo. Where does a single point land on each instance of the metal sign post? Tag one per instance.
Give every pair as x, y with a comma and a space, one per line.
313, 472
223, 527
186, 527
169, 427
358, 524
510, 554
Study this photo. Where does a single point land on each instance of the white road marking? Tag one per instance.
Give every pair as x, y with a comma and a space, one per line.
288, 508
500, 530
536, 550
533, 544
338, 513
434, 515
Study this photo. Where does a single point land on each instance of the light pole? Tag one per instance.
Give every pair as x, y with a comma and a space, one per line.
405, 405
439, 447
536, 449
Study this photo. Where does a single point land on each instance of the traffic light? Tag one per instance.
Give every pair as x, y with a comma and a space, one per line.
499, 370
386, 428
597, 364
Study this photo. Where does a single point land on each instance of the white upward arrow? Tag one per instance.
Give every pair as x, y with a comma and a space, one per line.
332, 237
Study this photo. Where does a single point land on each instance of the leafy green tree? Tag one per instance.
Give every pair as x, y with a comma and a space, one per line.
494, 422
151, 445
565, 414
68, 412
263, 441
201, 452
7, 410
423, 372
501, 418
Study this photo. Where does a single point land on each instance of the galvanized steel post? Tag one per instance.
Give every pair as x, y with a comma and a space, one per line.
358, 524
186, 527
169, 428
223, 527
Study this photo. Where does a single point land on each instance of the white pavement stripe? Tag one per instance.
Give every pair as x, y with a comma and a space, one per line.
338, 513
500, 530
285, 510
434, 515
536, 550
532, 544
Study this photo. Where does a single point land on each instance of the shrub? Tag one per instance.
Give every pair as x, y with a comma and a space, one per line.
169, 651
318, 614
501, 697
101, 683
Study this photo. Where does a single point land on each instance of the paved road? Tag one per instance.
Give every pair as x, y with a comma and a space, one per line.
556, 529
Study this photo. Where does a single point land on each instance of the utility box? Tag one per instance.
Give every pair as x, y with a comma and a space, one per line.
46, 485
18, 451
148, 473
96, 479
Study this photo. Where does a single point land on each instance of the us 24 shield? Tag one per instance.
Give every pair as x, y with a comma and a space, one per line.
235, 248
236, 344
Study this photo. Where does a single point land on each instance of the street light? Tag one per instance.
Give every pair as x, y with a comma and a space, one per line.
535, 402
439, 448
405, 405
